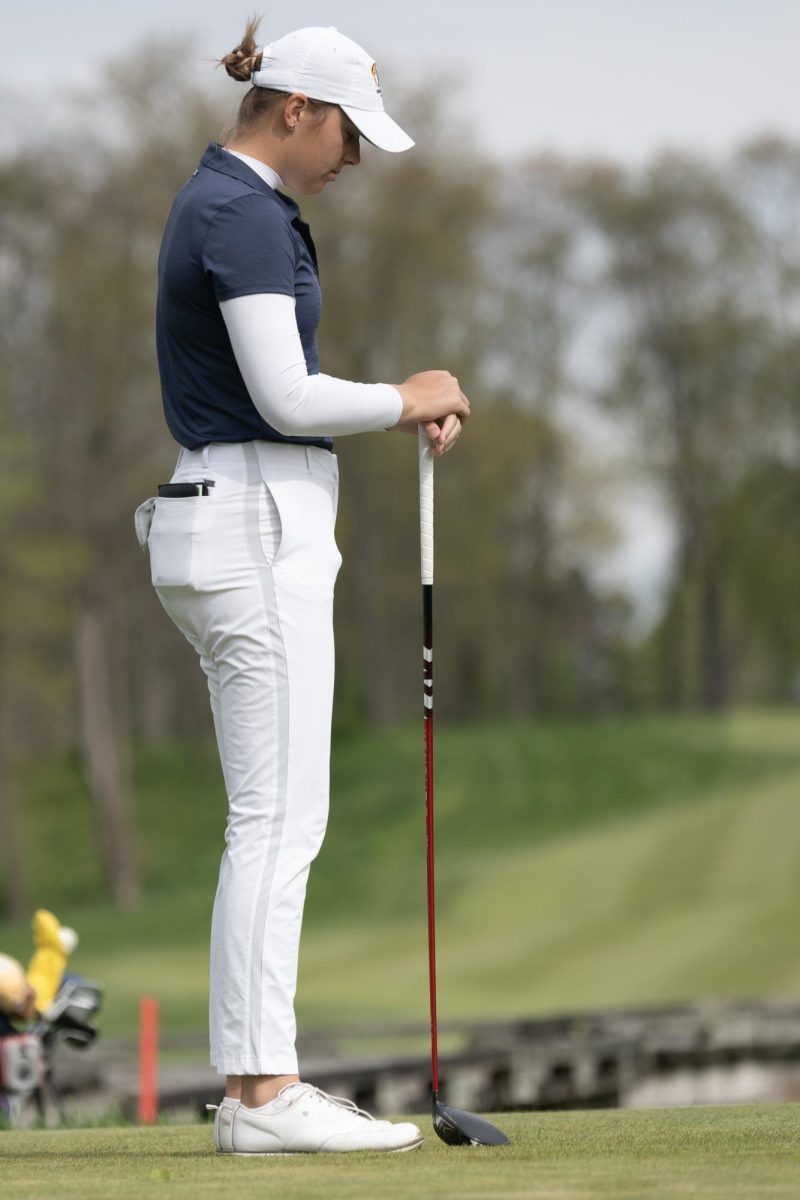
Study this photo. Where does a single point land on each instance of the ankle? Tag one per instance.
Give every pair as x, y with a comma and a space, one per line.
260, 1089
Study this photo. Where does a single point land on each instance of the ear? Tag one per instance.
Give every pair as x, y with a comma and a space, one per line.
294, 107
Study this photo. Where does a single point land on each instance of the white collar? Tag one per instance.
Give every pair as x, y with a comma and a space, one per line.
269, 175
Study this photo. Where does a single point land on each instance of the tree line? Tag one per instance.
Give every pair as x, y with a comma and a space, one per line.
658, 305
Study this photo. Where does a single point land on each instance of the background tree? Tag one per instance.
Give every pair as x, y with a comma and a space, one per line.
687, 362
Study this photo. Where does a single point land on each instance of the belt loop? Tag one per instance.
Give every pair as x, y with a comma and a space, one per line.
308, 460
205, 454
251, 462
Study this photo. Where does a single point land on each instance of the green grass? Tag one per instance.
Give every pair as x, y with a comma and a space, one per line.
743, 1153
620, 862
496, 786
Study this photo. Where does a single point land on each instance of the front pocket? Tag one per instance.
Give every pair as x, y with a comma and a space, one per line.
270, 524
307, 559
176, 525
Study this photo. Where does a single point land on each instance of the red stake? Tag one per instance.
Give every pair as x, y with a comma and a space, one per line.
148, 1060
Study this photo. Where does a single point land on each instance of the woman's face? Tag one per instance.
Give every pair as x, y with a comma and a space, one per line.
320, 149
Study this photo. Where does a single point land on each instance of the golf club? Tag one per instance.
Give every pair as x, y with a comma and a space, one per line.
455, 1127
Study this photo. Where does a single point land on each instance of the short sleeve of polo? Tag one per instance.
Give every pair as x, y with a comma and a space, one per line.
249, 248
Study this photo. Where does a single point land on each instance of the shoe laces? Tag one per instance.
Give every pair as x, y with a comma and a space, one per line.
336, 1101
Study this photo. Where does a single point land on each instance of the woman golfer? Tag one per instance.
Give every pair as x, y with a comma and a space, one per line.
242, 549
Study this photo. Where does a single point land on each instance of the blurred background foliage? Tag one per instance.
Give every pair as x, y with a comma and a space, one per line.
616, 329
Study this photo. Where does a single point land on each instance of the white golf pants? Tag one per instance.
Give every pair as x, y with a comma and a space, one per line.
247, 575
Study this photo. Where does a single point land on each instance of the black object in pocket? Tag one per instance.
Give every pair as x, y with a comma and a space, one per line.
183, 489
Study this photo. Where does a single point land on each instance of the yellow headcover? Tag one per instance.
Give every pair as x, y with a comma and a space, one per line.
54, 943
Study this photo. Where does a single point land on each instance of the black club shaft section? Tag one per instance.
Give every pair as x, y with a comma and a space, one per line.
427, 649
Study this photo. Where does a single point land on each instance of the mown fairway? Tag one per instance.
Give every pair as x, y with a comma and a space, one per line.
618, 862
747, 1153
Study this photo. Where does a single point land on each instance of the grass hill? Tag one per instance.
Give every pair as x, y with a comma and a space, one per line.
618, 862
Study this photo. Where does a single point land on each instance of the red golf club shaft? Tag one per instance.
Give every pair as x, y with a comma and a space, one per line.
427, 671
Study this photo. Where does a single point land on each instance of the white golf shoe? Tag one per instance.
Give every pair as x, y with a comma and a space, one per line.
223, 1122
302, 1119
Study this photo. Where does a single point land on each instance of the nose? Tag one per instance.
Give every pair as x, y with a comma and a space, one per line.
353, 155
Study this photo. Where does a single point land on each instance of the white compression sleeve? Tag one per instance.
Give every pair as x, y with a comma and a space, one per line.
266, 343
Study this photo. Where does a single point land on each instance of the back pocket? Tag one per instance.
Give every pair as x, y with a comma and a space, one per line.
172, 541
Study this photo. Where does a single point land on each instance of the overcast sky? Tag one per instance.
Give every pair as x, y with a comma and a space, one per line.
622, 77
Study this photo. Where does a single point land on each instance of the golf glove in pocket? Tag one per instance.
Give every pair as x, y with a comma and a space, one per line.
142, 519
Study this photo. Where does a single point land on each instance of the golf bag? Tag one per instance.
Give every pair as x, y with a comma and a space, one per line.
26, 1058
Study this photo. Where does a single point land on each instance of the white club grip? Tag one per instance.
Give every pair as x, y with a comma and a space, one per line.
425, 506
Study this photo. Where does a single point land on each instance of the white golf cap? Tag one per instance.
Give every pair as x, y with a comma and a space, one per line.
323, 64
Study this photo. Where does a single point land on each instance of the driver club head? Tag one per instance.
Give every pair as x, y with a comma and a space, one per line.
459, 1128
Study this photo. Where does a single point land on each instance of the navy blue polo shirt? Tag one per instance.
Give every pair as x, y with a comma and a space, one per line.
228, 234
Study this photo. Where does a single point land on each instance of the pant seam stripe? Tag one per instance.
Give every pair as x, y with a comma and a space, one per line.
278, 649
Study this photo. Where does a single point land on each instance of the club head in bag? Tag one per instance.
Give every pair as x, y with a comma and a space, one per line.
459, 1128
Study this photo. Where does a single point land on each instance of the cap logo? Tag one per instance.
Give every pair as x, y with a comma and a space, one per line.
375, 77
